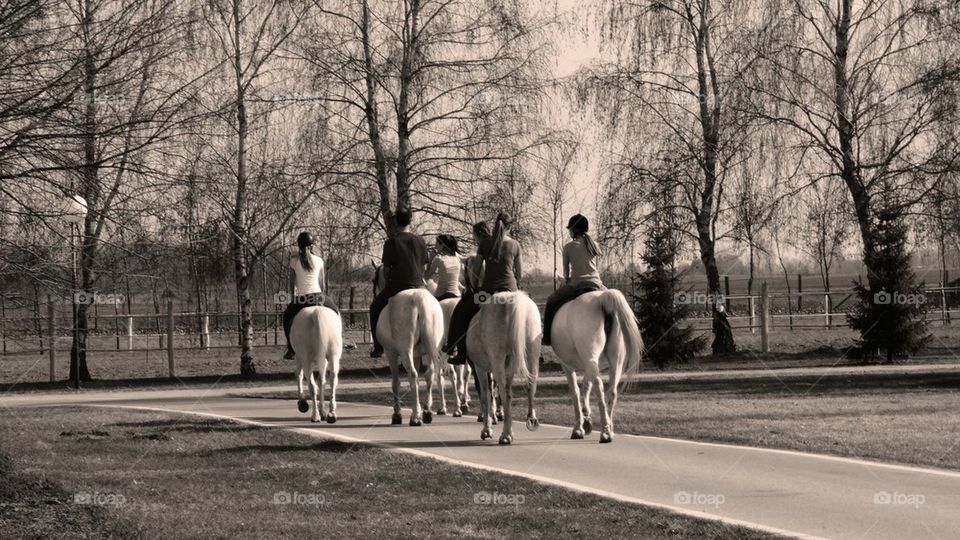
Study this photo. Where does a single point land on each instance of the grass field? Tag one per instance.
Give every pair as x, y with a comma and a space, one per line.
913, 419
106, 473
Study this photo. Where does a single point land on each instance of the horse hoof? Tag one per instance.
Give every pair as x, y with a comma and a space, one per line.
506, 439
533, 424
302, 405
415, 422
442, 412
396, 419
576, 435
500, 415
332, 418
485, 434
465, 408
427, 417
587, 425
606, 437
457, 413
315, 419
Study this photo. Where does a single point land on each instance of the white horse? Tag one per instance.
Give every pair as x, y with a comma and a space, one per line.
504, 340
594, 331
411, 326
459, 375
316, 335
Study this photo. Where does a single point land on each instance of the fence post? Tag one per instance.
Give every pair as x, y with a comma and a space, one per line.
205, 332
764, 318
129, 332
826, 309
353, 291
170, 338
52, 332
799, 293
943, 303
753, 315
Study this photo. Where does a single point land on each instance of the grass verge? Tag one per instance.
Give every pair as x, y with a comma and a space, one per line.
114, 473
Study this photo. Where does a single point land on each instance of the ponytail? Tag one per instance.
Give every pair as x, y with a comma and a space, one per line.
499, 232
305, 260
304, 240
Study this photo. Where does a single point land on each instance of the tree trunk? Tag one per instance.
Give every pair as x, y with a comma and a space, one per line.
846, 134
243, 269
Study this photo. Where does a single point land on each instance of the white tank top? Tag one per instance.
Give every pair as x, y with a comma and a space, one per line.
307, 281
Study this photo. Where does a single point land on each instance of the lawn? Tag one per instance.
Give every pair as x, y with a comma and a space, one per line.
905, 418
102, 473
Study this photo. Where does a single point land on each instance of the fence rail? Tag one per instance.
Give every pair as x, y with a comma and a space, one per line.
191, 330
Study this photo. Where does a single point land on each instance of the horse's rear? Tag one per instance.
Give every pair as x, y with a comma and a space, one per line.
411, 327
316, 335
505, 340
594, 331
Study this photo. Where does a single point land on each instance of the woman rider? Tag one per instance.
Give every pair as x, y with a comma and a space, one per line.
460, 320
579, 271
445, 267
502, 270
308, 280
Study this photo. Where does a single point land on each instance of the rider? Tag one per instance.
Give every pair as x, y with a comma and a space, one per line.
446, 267
465, 309
579, 270
308, 280
502, 270
404, 260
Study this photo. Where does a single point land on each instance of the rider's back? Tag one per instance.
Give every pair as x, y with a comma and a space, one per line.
406, 255
498, 273
583, 264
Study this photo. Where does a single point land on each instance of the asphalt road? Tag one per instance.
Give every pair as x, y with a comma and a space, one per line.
785, 492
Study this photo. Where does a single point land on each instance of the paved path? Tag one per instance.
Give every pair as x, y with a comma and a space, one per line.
788, 492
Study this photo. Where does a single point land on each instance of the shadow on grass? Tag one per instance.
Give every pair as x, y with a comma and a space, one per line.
327, 446
191, 426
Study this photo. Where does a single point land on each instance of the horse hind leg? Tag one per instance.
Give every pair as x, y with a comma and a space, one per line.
334, 366
397, 418
315, 416
413, 377
431, 376
302, 404
506, 436
606, 431
577, 407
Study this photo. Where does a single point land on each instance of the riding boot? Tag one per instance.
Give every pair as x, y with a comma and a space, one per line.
376, 351
289, 354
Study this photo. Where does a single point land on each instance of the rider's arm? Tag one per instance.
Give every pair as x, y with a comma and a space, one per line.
518, 267
322, 277
386, 259
432, 269
566, 264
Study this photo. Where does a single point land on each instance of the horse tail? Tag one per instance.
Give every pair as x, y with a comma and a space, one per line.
615, 305
519, 330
